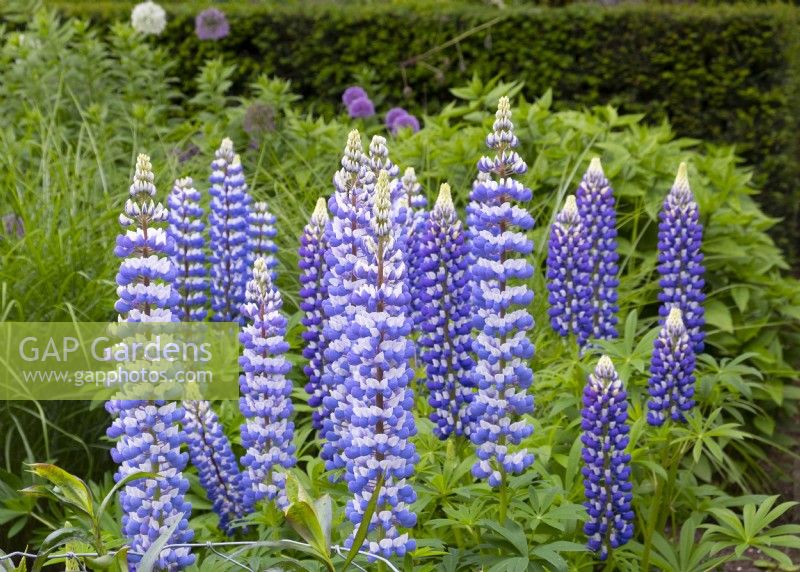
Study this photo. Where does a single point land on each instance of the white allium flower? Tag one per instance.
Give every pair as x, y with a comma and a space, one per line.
148, 18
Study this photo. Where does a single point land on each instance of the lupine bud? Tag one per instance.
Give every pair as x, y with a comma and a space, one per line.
595, 199
499, 247
313, 292
230, 204
376, 420
266, 393
680, 236
606, 469
447, 319
568, 274
148, 433
186, 229
260, 233
671, 372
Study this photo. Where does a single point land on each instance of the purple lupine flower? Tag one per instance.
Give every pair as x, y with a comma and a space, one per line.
595, 199
186, 228
217, 468
260, 234
313, 292
352, 93
378, 405
606, 469
447, 324
148, 433
415, 222
568, 273
671, 372
266, 394
392, 115
211, 24
361, 108
680, 235
406, 121
499, 246
350, 215
230, 204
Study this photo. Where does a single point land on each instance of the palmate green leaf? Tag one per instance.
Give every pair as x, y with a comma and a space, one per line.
511, 564
510, 532
70, 488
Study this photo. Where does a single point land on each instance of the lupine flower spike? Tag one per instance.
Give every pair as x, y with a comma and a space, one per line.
606, 469
671, 372
447, 324
186, 228
415, 221
680, 236
230, 205
376, 441
266, 394
313, 293
499, 247
595, 200
148, 434
260, 234
568, 273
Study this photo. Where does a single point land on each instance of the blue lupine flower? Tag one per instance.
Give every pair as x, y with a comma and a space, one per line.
680, 236
348, 229
414, 222
502, 373
447, 314
606, 469
186, 228
266, 393
210, 452
314, 292
378, 407
568, 273
260, 233
595, 199
148, 433
230, 204
671, 372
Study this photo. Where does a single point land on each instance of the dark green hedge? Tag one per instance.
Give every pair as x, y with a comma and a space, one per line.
725, 73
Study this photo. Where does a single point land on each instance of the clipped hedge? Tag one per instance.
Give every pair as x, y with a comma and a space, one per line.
725, 73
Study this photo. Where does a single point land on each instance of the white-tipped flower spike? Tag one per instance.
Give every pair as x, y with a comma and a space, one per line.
148, 18
261, 234
414, 220
680, 262
313, 293
500, 296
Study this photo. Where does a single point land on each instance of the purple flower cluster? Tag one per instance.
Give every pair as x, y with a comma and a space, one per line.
447, 320
398, 118
211, 24
680, 262
606, 469
186, 229
500, 297
671, 372
260, 234
313, 293
266, 393
415, 219
358, 102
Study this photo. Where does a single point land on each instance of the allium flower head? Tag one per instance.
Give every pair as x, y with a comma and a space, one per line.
500, 297
148, 18
406, 121
568, 273
671, 372
211, 24
680, 262
186, 228
447, 319
595, 199
606, 469
352, 93
392, 115
266, 393
361, 108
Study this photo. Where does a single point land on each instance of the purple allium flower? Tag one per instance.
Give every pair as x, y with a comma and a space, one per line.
148, 434
352, 93
378, 401
313, 291
349, 227
230, 207
266, 393
406, 121
260, 234
568, 273
186, 229
595, 199
392, 115
447, 315
671, 372
606, 469
680, 236
211, 24
500, 297
361, 107
210, 452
